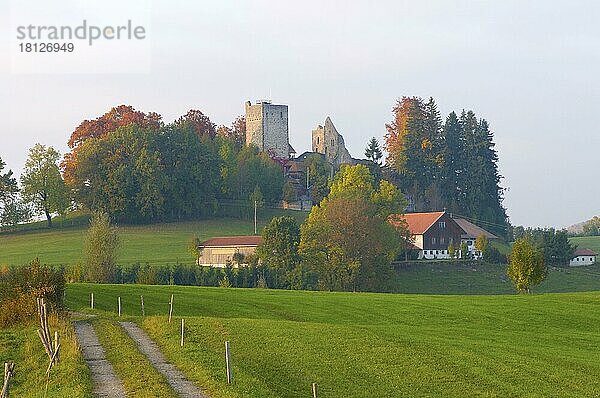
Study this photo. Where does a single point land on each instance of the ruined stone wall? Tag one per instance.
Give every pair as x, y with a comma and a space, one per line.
267, 128
327, 140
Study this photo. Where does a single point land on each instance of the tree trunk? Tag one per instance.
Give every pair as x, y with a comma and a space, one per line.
48, 217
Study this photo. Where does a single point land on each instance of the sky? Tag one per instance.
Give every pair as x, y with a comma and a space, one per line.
529, 68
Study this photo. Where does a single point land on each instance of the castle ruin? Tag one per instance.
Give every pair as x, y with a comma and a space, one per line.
267, 128
327, 141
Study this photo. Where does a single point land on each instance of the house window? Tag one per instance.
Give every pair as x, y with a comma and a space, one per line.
442, 224
470, 243
442, 240
433, 240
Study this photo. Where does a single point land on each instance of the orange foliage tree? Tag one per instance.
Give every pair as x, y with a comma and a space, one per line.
118, 116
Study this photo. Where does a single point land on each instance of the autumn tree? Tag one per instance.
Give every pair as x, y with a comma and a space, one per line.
100, 249
481, 243
347, 241
198, 122
592, 227
43, 186
279, 249
100, 127
526, 266
373, 151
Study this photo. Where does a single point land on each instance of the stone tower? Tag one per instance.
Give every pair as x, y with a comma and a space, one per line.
326, 140
267, 128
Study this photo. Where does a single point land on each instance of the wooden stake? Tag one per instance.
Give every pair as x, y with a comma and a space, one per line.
92, 301
182, 326
142, 298
119, 305
9, 369
56, 345
314, 390
170, 308
228, 361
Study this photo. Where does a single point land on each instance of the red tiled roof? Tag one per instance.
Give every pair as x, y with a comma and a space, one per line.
418, 223
232, 241
473, 231
584, 252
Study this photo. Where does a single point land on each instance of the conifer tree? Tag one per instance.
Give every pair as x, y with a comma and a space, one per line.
373, 151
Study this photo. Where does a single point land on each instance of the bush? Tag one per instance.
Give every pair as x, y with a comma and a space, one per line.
21, 286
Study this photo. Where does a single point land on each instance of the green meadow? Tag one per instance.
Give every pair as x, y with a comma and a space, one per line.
368, 345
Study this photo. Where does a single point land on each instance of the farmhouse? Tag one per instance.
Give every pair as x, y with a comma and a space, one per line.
583, 257
220, 251
433, 232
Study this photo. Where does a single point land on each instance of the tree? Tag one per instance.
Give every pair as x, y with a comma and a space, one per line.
318, 170
465, 254
481, 243
451, 250
198, 122
100, 249
8, 190
279, 248
373, 151
119, 116
43, 186
526, 266
347, 241
289, 192
592, 227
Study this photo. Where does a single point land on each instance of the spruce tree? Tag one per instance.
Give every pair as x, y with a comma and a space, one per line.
373, 151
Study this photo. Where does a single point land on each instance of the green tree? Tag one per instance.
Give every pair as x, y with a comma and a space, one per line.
452, 250
464, 250
289, 192
526, 266
347, 241
43, 186
100, 249
319, 171
9, 201
279, 248
373, 151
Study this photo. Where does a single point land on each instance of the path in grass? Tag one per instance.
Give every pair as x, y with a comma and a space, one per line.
175, 378
106, 382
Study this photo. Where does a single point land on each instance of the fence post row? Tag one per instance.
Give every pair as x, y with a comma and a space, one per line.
170, 308
9, 369
182, 327
92, 301
314, 390
142, 298
119, 299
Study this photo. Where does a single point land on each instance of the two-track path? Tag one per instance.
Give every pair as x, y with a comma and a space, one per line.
183, 387
106, 382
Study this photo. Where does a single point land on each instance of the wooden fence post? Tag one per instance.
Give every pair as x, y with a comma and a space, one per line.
92, 301
314, 390
9, 368
142, 298
56, 345
182, 327
119, 305
228, 361
170, 308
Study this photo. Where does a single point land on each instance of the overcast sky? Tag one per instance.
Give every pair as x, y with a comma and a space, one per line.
529, 68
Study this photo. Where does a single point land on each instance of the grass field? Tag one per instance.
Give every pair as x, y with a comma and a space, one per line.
69, 378
153, 244
587, 242
370, 345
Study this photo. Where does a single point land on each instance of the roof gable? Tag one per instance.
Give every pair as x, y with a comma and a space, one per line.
419, 223
584, 252
473, 231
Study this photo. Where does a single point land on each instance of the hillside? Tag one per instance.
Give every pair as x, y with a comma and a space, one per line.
589, 242
154, 244
369, 345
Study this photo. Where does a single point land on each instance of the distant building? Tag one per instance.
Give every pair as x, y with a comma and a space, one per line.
327, 141
433, 232
471, 233
583, 257
267, 128
218, 252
